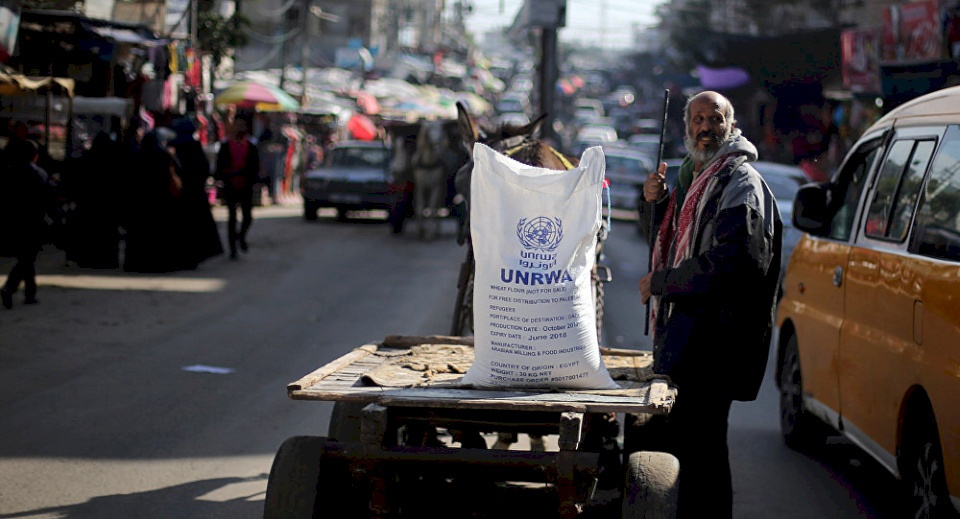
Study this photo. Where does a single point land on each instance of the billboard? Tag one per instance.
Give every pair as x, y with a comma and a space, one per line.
911, 33
860, 60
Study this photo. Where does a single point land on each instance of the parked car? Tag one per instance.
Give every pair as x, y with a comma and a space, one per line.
648, 143
593, 135
513, 102
869, 321
353, 176
587, 109
626, 169
511, 119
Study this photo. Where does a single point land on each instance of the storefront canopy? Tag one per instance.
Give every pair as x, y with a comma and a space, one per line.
12, 83
722, 78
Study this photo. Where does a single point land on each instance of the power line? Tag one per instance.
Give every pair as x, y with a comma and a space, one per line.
276, 39
274, 13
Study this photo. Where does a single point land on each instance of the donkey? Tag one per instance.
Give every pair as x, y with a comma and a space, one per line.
523, 144
401, 184
430, 177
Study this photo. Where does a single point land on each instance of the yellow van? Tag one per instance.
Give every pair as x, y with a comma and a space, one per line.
869, 323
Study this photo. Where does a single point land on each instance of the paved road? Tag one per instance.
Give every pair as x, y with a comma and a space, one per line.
100, 418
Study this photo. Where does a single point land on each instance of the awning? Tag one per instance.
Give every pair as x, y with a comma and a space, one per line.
722, 78
123, 35
52, 21
18, 84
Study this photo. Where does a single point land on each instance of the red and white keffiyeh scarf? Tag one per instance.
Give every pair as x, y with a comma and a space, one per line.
680, 230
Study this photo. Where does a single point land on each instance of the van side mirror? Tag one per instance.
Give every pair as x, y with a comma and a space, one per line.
810, 208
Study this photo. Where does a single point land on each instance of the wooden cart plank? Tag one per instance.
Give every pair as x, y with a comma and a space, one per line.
330, 368
344, 380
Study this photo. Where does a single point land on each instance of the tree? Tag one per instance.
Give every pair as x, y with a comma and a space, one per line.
219, 36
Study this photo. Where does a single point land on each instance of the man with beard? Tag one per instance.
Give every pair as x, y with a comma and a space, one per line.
712, 290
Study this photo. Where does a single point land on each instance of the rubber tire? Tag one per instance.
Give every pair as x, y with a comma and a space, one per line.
309, 212
920, 461
294, 476
797, 425
651, 486
645, 432
345, 421
463, 306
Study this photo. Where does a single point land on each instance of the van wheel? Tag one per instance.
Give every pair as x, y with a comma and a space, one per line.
921, 472
796, 423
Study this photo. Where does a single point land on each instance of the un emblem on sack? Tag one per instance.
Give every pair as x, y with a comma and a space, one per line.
540, 233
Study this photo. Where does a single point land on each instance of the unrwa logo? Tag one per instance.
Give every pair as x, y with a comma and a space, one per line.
541, 233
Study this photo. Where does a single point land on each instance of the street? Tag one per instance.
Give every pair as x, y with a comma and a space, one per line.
164, 396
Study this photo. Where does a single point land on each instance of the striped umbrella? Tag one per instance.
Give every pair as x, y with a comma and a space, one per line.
252, 95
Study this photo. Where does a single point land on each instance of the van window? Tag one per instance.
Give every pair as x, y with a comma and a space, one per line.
937, 233
898, 187
849, 185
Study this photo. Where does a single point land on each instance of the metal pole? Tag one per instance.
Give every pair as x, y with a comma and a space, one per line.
283, 48
194, 21
304, 48
652, 231
548, 80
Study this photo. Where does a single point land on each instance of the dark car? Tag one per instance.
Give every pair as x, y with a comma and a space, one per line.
354, 176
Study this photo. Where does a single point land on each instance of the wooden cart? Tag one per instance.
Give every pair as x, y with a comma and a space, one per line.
407, 440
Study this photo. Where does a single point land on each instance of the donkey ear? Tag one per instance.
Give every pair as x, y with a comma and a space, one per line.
468, 130
533, 128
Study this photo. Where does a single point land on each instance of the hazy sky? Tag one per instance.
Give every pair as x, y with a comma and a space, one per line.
605, 23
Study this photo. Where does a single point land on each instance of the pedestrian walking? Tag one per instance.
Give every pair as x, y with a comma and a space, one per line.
238, 169
25, 196
713, 284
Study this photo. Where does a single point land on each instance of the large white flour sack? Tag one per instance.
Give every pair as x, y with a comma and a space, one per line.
534, 233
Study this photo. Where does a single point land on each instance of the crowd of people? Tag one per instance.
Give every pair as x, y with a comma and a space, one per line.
140, 203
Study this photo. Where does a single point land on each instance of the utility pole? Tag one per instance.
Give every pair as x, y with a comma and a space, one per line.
548, 80
549, 16
194, 21
304, 47
310, 10
282, 36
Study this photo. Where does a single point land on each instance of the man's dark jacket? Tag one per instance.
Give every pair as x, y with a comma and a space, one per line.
716, 308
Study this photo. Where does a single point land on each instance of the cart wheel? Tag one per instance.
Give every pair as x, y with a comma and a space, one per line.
345, 422
645, 432
651, 487
463, 306
292, 485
